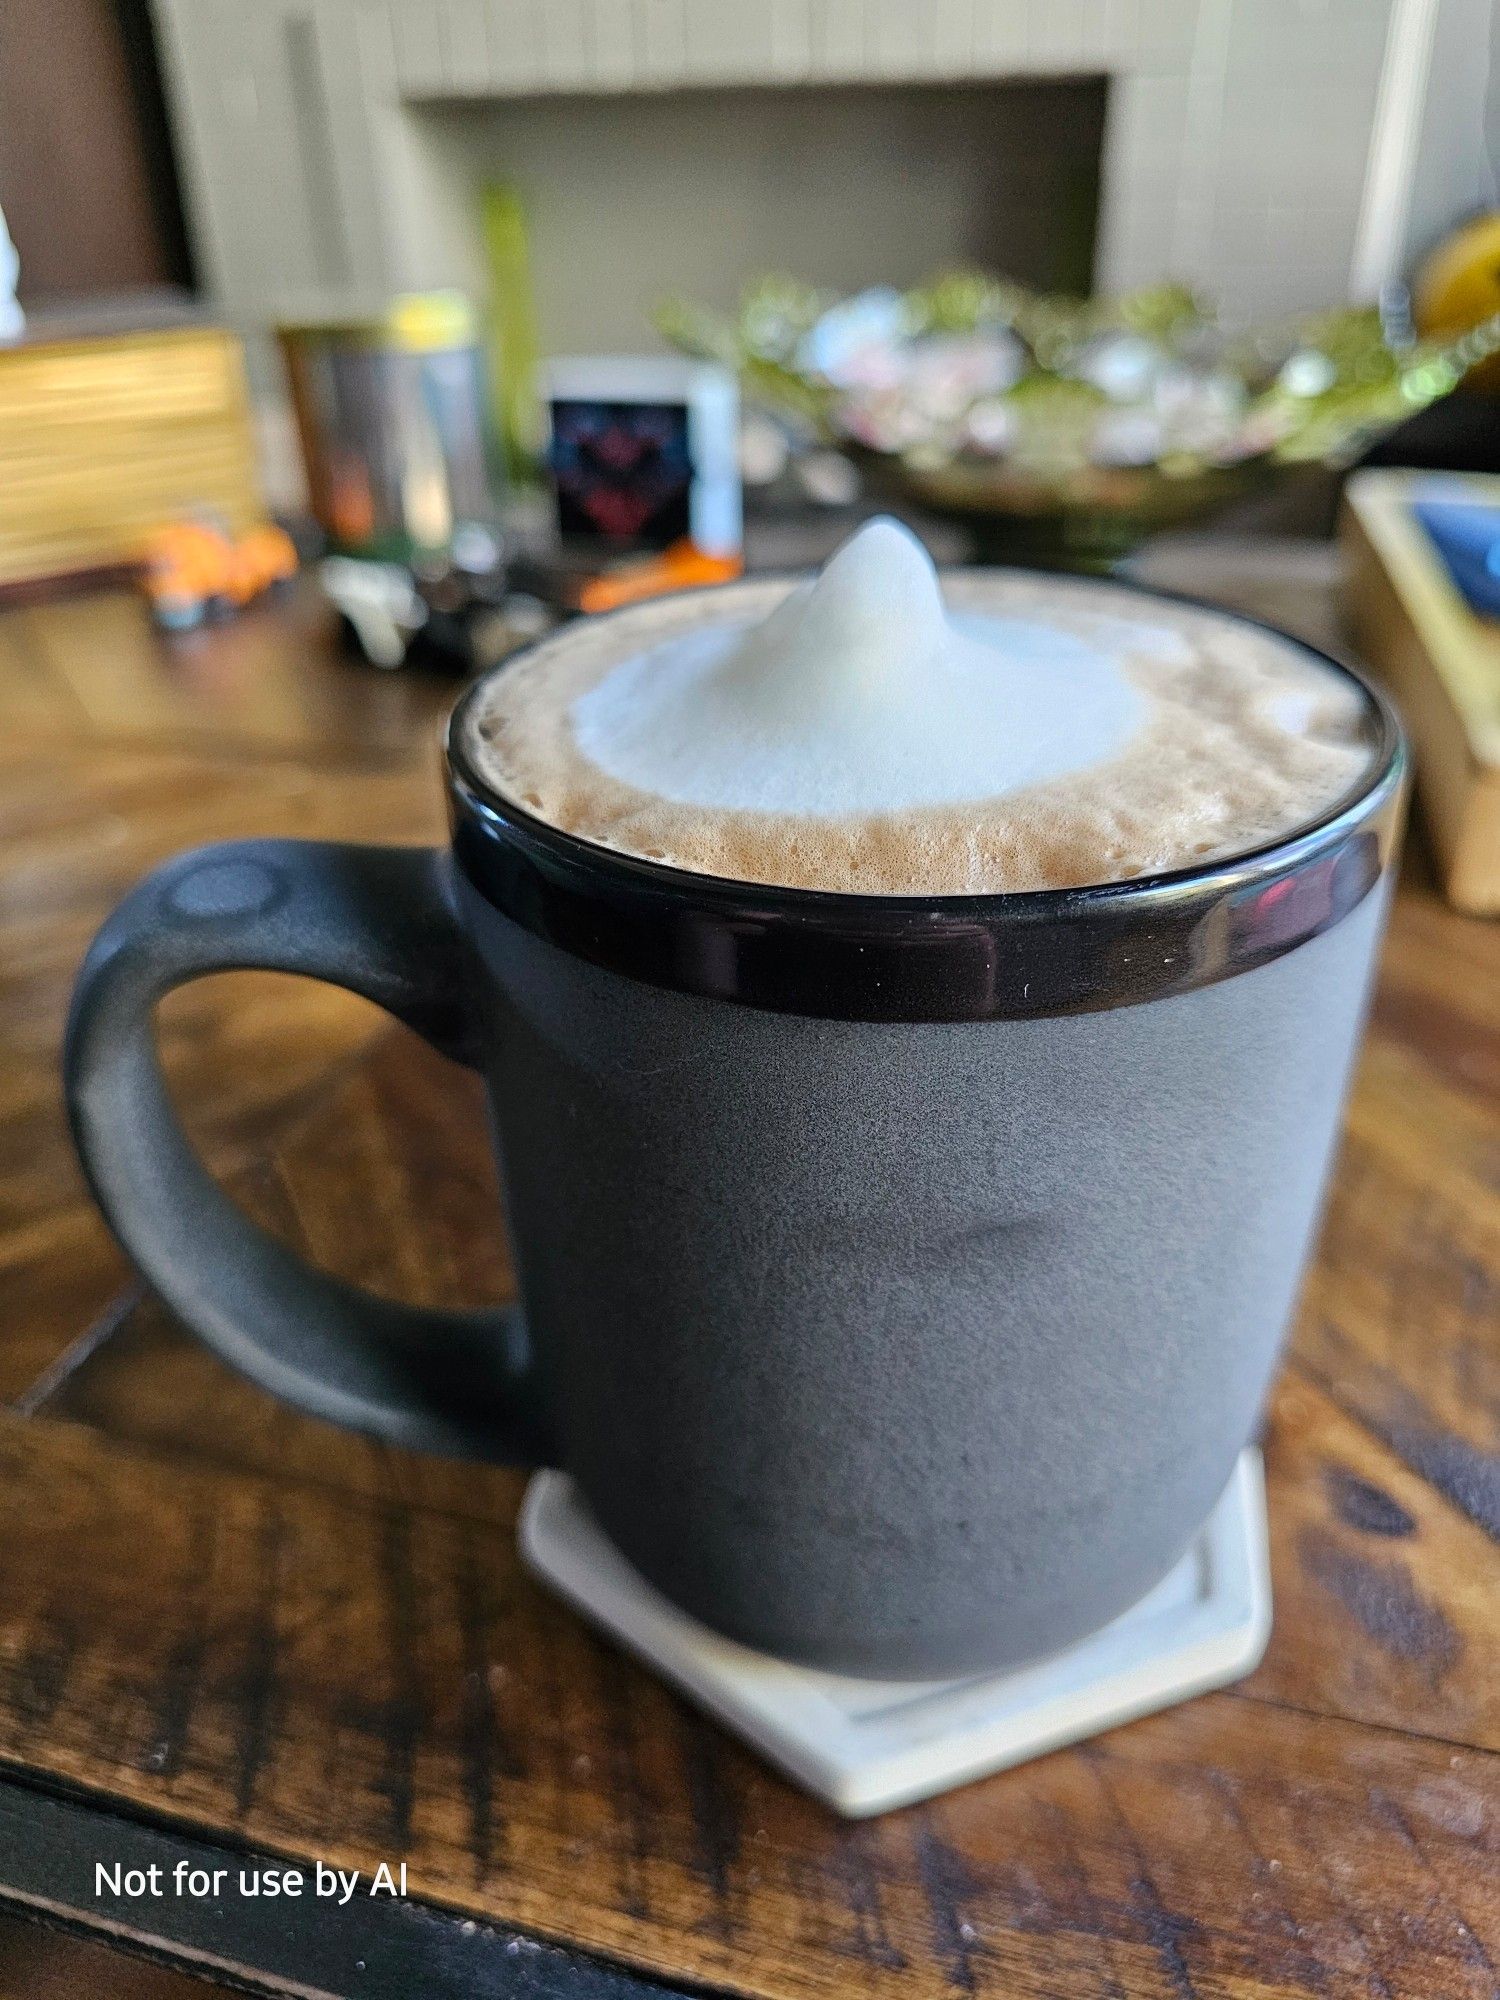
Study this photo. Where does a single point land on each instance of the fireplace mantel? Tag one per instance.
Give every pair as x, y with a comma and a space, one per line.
1234, 148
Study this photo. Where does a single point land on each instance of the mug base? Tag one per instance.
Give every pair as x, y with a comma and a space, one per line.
865, 1746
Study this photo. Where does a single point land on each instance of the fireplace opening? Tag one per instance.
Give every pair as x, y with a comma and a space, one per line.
631, 198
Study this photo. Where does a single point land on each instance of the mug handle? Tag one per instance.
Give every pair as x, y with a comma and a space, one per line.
381, 922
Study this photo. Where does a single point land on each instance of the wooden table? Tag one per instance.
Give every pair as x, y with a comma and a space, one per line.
228, 1633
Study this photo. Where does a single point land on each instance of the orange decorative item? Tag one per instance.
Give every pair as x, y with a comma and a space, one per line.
684, 566
189, 568
262, 558
1458, 288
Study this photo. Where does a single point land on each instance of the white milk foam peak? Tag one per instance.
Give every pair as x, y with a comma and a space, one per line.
858, 694
878, 730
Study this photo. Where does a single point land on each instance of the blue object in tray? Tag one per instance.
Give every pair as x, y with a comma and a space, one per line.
1466, 534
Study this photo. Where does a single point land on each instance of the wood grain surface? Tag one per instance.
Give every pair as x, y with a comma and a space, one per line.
233, 1619
118, 749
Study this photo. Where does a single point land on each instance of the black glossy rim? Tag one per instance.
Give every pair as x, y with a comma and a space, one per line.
940, 958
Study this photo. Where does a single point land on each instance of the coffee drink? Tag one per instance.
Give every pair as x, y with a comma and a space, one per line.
899, 1278
873, 731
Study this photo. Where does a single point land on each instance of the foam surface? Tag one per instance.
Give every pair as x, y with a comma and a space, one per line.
859, 694
870, 732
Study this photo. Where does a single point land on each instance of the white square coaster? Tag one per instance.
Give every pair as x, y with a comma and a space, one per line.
865, 1746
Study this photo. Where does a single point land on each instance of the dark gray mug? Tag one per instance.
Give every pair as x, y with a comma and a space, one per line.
900, 1277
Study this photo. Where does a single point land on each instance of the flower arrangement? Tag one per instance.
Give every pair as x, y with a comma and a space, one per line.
987, 396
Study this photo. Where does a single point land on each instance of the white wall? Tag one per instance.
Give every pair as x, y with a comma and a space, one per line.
1459, 145
1235, 147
